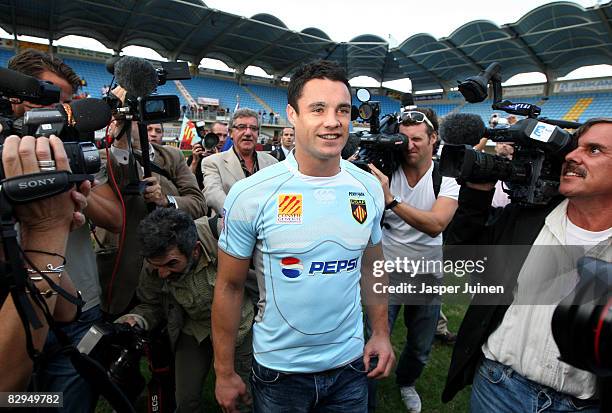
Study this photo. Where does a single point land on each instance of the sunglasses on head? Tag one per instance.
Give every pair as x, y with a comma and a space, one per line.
412, 116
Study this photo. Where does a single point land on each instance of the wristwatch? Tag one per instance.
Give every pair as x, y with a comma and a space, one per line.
171, 202
393, 204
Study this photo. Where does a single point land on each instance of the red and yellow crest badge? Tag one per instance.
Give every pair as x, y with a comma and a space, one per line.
359, 210
290, 208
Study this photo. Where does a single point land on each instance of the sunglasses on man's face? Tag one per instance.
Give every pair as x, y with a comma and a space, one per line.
412, 116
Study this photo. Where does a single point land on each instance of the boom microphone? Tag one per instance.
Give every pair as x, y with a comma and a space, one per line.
462, 129
137, 76
17, 85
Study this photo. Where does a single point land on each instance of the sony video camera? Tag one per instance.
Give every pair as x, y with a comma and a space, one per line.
540, 146
382, 144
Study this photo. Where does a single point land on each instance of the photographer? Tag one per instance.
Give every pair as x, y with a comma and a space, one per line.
507, 352
176, 287
172, 185
103, 209
419, 205
44, 226
198, 152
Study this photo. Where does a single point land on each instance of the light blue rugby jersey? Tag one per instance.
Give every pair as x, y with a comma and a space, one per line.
306, 235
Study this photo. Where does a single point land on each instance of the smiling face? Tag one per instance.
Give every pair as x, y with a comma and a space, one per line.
587, 169
321, 121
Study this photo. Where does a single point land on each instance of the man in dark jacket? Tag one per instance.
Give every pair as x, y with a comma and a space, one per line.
287, 143
505, 350
176, 287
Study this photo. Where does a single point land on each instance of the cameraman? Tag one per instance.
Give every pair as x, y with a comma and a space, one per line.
508, 352
44, 226
171, 185
103, 209
419, 205
176, 287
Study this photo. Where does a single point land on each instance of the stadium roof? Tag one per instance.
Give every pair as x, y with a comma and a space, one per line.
554, 39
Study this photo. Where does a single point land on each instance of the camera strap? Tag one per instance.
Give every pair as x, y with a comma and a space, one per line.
17, 281
32, 187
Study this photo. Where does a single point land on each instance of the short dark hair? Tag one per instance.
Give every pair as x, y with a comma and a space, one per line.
33, 62
588, 125
160, 124
164, 229
320, 69
431, 115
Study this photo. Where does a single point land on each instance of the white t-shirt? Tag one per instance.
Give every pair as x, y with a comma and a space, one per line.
401, 239
574, 235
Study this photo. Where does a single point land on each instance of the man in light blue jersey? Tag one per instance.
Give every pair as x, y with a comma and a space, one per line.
311, 228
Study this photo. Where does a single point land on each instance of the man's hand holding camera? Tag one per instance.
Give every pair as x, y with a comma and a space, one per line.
153, 192
61, 212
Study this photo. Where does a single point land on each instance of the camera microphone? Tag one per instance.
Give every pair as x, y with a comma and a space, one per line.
137, 76
17, 85
474, 89
462, 129
84, 115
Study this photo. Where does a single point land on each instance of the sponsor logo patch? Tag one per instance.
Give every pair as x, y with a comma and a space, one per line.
289, 209
359, 210
291, 267
332, 267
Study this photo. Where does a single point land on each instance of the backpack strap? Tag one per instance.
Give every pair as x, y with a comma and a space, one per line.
436, 178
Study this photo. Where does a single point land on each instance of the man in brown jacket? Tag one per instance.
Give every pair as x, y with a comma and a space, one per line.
172, 185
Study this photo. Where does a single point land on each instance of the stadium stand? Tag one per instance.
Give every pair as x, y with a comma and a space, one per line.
262, 98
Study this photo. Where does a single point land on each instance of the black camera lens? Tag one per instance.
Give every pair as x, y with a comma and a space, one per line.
210, 140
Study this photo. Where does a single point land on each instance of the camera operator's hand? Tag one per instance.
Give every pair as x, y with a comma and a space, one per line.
384, 182
20, 157
153, 192
197, 152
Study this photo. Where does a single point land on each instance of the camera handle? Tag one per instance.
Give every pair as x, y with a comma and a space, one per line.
145, 161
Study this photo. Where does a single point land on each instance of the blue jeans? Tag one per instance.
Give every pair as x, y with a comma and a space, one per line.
343, 390
498, 388
58, 375
421, 322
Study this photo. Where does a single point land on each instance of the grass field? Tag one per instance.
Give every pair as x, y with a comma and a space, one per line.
429, 386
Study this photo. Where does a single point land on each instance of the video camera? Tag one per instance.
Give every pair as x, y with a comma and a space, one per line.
140, 80
382, 144
109, 355
73, 123
582, 322
540, 146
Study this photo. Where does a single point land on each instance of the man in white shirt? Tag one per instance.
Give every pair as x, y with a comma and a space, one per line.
419, 205
507, 352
